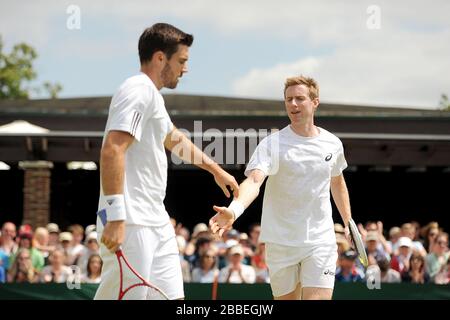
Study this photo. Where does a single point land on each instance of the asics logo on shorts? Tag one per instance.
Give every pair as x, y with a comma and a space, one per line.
328, 272
328, 157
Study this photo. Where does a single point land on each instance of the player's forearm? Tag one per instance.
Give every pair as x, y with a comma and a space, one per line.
341, 198
112, 163
248, 192
183, 148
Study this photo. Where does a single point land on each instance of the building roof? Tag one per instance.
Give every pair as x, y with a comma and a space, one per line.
191, 105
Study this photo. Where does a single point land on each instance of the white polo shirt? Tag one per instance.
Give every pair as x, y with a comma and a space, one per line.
138, 108
296, 208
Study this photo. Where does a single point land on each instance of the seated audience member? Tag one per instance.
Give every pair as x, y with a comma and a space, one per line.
409, 230
416, 272
236, 271
438, 257
91, 247
347, 270
53, 234
93, 270
56, 272
400, 262
25, 241
207, 269
21, 269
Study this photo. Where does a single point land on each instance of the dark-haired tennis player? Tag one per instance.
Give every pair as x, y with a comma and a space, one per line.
133, 169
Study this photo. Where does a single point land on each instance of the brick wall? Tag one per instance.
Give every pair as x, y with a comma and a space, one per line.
36, 192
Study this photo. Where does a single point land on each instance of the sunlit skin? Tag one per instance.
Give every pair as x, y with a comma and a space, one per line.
164, 72
300, 110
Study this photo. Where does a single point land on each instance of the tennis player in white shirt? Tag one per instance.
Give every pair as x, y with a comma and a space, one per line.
133, 169
302, 163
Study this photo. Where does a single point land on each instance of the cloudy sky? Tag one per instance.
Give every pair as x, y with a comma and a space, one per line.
388, 53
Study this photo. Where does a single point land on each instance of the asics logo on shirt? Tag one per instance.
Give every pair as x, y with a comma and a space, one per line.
110, 201
328, 272
328, 157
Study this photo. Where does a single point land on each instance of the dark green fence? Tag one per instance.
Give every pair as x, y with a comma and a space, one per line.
196, 291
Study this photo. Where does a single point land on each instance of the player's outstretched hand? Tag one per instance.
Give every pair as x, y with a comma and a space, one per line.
224, 180
222, 221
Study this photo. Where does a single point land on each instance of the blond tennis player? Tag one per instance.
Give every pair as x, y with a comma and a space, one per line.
303, 162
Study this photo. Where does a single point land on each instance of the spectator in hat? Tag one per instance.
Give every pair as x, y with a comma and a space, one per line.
90, 247
437, 259
200, 230
25, 241
56, 272
347, 270
53, 234
236, 271
93, 270
372, 226
339, 229
372, 247
21, 269
400, 262
90, 228
65, 239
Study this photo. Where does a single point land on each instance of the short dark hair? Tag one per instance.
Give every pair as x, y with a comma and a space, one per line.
162, 37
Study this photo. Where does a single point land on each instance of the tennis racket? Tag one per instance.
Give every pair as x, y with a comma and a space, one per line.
155, 293
358, 244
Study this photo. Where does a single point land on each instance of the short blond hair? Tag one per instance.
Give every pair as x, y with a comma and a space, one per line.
310, 83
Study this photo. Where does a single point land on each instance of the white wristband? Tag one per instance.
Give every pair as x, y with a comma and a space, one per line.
237, 208
115, 207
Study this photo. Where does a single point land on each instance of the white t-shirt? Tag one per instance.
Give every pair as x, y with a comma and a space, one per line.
138, 108
296, 208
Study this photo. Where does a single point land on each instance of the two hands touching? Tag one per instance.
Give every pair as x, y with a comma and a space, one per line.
114, 232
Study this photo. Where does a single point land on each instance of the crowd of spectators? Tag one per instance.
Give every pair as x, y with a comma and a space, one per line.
407, 253
46, 254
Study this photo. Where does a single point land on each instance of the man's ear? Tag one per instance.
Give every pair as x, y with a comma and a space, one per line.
158, 57
316, 103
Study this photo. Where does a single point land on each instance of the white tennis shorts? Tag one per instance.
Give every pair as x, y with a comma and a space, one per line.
312, 267
153, 253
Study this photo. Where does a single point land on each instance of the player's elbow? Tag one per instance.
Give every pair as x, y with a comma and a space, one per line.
109, 152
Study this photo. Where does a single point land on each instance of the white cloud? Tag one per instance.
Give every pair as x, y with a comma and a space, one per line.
403, 63
394, 66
